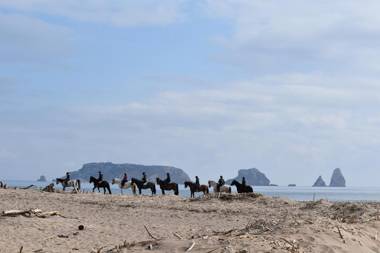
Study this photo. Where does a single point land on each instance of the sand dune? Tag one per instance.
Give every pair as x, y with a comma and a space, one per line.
227, 224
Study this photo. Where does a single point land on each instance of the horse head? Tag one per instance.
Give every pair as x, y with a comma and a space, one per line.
114, 181
209, 183
92, 180
158, 180
187, 183
57, 180
234, 182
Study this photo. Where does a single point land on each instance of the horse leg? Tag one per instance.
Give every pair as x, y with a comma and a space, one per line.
163, 192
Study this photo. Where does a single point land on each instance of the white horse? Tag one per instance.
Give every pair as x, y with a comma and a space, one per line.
71, 183
127, 185
214, 186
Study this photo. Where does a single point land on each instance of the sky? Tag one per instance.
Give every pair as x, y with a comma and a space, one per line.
289, 87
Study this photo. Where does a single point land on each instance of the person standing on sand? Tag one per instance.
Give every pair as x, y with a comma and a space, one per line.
220, 183
167, 180
197, 182
243, 182
124, 180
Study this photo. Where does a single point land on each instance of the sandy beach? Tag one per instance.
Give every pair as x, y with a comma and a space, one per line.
230, 223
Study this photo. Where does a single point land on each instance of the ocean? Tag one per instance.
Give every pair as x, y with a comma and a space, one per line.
296, 193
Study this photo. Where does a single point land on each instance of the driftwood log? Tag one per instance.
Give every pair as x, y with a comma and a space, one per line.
28, 213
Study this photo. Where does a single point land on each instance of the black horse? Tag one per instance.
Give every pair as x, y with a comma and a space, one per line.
193, 188
141, 185
167, 186
241, 188
103, 184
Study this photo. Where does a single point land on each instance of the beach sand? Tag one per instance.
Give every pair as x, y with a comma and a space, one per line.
228, 224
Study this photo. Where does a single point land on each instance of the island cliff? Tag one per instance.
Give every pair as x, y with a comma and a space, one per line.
252, 176
111, 170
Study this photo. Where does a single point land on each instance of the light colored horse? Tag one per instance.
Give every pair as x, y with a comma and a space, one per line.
75, 183
127, 185
214, 186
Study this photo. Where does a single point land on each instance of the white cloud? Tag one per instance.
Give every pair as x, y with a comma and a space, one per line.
112, 12
28, 39
294, 35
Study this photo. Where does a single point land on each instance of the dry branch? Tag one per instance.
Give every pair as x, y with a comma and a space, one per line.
191, 247
150, 234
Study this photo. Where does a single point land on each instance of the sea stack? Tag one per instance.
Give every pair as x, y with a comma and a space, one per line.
42, 179
320, 182
337, 179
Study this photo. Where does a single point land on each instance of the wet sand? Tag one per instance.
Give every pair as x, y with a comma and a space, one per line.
230, 223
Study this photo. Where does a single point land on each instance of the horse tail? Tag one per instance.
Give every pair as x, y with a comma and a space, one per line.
207, 190
109, 189
78, 181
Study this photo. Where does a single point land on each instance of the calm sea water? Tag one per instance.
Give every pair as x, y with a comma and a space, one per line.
296, 193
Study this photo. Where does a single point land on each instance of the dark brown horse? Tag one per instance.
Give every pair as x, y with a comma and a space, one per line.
141, 185
103, 184
241, 188
167, 186
193, 188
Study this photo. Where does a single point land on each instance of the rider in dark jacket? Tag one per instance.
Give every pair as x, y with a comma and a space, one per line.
167, 180
144, 178
220, 183
100, 177
197, 182
67, 177
124, 179
243, 182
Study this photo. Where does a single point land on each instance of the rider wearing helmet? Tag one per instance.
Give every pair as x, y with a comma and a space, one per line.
220, 183
124, 180
243, 182
167, 180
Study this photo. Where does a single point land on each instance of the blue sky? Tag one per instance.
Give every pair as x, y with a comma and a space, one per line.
210, 86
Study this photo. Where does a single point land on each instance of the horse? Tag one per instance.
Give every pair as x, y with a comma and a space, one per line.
141, 185
125, 186
193, 188
214, 186
75, 183
102, 184
241, 188
167, 186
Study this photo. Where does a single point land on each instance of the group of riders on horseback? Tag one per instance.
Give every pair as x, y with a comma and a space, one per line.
165, 184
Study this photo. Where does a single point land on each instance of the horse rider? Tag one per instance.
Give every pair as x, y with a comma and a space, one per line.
143, 179
67, 179
220, 183
197, 184
243, 182
167, 180
100, 177
124, 180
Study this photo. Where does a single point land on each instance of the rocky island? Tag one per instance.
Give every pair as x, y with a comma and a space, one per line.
320, 182
252, 176
337, 179
42, 179
112, 170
